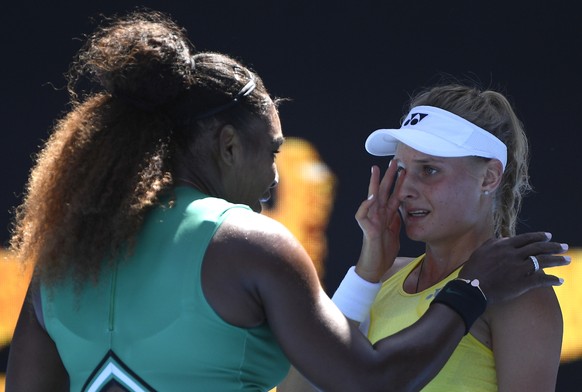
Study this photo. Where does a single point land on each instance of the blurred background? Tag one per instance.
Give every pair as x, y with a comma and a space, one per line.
347, 68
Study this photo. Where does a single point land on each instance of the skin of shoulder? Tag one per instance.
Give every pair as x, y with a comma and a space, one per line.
399, 263
532, 324
255, 270
249, 253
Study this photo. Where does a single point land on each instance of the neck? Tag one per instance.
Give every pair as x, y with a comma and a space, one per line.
445, 257
201, 183
184, 181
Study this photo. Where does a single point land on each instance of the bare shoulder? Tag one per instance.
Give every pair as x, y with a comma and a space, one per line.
539, 304
531, 323
252, 263
255, 240
399, 263
255, 230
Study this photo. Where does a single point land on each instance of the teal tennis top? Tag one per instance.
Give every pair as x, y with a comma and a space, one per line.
146, 325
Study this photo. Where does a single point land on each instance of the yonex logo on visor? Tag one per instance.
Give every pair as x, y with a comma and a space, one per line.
437, 132
414, 118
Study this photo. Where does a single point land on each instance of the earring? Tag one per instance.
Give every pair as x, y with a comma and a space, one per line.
486, 193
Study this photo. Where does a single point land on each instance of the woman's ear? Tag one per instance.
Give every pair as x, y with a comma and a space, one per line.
493, 175
228, 145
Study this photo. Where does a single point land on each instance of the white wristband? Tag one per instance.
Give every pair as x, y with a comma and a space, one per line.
355, 295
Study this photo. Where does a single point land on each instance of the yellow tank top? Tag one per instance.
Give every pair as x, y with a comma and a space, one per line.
470, 368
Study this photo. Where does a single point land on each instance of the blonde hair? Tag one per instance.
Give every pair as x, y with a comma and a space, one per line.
492, 111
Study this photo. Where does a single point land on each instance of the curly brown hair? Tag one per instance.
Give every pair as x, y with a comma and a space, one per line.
113, 155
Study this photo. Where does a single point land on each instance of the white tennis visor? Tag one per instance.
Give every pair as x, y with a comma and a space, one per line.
437, 132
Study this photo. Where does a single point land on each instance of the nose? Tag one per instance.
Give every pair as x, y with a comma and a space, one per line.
275, 180
406, 186
267, 196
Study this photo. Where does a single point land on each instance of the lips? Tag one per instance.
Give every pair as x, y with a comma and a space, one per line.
417, 213
265, 198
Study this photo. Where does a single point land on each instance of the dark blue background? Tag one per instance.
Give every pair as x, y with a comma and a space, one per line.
349, 68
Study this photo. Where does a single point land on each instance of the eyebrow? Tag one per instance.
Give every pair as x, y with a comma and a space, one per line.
430, 160
424, 161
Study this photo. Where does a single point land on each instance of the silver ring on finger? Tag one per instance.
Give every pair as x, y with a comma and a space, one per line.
536, 263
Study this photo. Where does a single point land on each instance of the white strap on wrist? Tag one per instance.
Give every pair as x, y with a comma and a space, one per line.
355, 295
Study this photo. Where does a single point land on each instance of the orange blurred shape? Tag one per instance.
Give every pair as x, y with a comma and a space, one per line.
304, 198
14, 280
570, 297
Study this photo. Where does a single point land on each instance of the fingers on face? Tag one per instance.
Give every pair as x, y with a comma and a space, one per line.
382, 189
387, 181
374, 178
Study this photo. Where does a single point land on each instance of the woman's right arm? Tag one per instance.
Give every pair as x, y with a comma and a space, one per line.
319, 340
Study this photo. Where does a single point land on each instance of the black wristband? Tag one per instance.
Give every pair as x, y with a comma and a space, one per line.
465, 299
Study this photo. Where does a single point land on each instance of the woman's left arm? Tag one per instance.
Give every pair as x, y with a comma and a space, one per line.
527, 341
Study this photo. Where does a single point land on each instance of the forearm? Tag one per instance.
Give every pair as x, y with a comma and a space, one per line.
402, 362
416, 354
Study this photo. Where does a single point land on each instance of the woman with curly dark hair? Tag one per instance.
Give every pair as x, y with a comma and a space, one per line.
154, 269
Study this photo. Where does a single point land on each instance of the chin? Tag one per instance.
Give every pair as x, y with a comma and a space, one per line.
415, 235
257, 207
